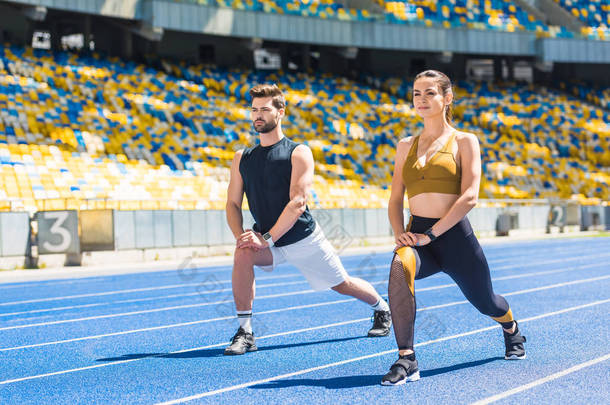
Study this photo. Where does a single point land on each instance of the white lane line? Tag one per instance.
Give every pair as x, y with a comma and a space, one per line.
291, 332
175, 325
289, 309
202, 283
560, 260
137, 300
217, 319
541, 381
133, 290
147, 311
522, 251
565, 310
309, 370
177, 307
209, 291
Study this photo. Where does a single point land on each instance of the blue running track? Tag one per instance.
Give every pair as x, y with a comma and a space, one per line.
158, 337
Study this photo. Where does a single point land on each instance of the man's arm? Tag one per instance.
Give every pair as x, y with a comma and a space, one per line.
235, 197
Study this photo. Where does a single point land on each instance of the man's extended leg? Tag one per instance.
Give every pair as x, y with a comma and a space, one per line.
364, 291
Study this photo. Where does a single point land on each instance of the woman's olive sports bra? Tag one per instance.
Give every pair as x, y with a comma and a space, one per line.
440, 174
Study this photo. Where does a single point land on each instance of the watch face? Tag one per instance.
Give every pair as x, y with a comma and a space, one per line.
266, 236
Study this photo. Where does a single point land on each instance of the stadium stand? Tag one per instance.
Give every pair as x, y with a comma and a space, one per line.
99, 132
595, 14
501, 15
548, 144
325, 9
478, 14
594, 94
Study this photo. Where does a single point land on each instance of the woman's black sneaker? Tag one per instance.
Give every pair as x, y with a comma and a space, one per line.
403, 370
514, 344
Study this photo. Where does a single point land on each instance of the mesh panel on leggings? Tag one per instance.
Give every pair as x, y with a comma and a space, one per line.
402, 305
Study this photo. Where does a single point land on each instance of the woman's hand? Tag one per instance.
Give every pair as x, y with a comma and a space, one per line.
411, 239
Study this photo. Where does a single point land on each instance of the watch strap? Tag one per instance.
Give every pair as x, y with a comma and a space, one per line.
268, 239
429, 234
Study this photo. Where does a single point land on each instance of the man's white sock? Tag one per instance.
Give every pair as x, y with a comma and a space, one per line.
380, 305
245, 320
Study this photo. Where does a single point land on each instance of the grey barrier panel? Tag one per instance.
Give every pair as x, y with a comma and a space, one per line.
215, 223
371, 222
592, 217
217, 228
383, 227
145, 229
573, 214
58, 232
607, 217
557, 216
227, 234
387, 228
359, 223
483, 219
198, 235
598, 215
330, 221
248, 220
532, 217
586, 218
540, 215
124, 230
14, 233
385, 219
320, 216
97, 230
163, 228
503, 224
181, 228
348, 221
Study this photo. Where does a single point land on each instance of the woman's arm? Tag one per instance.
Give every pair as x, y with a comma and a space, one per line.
397, 193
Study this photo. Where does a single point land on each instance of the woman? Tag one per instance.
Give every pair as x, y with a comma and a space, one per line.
441, 171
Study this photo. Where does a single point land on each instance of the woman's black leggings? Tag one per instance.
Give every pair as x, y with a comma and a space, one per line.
456, 252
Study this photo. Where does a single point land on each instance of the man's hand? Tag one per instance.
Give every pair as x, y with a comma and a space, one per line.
251, 239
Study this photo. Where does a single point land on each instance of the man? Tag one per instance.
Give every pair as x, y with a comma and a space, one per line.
276, 176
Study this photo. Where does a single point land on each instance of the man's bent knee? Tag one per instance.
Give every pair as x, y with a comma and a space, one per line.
243, 256
343, 288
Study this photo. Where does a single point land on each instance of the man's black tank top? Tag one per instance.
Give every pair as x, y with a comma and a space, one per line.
266, 172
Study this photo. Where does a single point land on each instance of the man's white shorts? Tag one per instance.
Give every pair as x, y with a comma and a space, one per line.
315, 258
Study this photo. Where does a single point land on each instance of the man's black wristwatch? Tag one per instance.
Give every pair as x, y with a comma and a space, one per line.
429, 234
267, 238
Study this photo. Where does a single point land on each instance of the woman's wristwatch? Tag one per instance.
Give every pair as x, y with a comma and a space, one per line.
429, 234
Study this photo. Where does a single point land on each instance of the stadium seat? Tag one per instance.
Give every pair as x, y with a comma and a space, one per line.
77, 131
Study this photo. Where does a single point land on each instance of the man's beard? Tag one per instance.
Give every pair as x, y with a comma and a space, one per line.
268, 127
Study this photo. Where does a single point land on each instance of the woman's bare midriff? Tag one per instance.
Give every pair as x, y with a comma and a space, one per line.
431, 205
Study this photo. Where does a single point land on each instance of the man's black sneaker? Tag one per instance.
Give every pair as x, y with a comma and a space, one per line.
403, 370
241, 343
382, 320
514, 344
